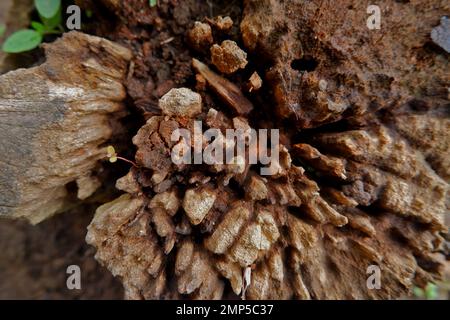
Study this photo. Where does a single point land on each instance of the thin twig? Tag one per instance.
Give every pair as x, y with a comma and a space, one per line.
167, 41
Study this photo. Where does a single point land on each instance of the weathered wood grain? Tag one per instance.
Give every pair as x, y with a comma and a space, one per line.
54, 122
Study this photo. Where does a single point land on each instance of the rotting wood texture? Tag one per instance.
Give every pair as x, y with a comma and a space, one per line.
363, 171
54, 121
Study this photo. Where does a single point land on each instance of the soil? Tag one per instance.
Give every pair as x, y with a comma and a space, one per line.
34, 260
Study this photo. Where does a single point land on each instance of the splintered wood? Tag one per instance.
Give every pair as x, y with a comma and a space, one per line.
226, 90
55, 119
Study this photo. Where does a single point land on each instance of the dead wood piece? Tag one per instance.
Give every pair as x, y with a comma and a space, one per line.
200, 36
223, 24
181, 102
254, 82
228, 91
228, 57
54, 120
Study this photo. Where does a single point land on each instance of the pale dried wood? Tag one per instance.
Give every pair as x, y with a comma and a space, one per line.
54, 122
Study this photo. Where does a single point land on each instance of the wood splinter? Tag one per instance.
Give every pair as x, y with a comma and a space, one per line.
228, 91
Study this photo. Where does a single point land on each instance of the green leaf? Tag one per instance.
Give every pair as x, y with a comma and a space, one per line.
53, 22
47, 8
22, 40
39, 27
153, 3
110, 151
2, 29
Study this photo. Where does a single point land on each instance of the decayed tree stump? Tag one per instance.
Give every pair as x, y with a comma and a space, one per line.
54, 120
367, 185
179, 227
362, 177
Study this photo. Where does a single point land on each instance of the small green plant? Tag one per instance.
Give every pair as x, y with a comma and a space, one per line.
48, 8
111, 154
28, 39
